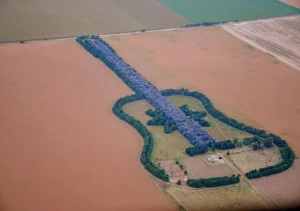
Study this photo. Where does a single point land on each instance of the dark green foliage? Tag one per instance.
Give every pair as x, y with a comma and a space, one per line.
255, 146
268, 142
195, 115
185, 172
178, 182
192, 151
288, 157
147, 136
152, 113
260, 137
158, 119
22, 41
228, 153
214, 181
169, 127
223, 145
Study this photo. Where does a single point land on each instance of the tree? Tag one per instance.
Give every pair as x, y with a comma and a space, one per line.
228, 153
185, 172
255, 146
268, 142
178, 182
235, 140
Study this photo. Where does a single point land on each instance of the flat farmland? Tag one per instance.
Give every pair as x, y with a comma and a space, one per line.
61, 147
35, 19
243, 82
198, 168
237, 197
229, 10
294, 3
278, 37
284, 188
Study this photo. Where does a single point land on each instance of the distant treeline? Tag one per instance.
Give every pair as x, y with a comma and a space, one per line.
204, 24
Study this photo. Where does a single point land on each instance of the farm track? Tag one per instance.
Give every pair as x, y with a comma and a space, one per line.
233, 166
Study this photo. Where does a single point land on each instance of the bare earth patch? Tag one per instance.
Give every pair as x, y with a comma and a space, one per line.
173, 170
198, 168
247, 160
61, 147
276, 36
241, 81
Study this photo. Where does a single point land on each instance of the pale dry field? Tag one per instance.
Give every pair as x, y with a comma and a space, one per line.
294, 3
39, 19
237, 197
249, 160
284, 188
277, 36
243, 82
198, 168
61, 147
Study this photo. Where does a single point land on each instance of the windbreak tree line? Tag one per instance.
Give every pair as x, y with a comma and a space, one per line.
145, 157
204, 24
213, 181
189, 128
260, 136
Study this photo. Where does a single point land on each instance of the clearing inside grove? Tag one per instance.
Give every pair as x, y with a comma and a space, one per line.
243, 82
61, 146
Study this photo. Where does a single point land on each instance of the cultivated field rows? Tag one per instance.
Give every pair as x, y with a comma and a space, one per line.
279, 37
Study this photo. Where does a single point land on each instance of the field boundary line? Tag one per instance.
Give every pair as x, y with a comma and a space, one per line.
139, 31
228, 160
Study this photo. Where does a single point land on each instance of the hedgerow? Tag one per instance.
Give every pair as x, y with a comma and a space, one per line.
189, 128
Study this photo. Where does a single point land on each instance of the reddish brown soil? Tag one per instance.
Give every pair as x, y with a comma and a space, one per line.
294, 3
241, 81
61, 147
284, 188
173, 170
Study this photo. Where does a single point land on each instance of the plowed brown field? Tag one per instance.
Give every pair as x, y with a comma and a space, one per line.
294, 3
61, 147
241, 81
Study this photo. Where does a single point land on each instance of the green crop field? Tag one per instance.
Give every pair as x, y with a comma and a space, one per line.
229, 10
36, 19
